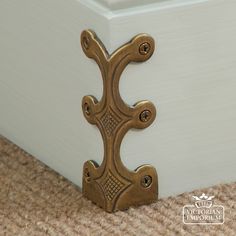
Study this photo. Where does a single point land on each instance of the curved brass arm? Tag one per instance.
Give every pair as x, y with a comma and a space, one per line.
112, 186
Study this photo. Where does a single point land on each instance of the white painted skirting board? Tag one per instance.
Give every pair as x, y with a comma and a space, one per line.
190, 78
124, 4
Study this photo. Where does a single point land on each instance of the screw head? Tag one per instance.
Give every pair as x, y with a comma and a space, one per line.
87, 109
144, 48
87, 175
146, 181
85, 41
145, 116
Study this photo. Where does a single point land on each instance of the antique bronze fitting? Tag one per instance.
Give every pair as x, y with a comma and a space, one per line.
111, 185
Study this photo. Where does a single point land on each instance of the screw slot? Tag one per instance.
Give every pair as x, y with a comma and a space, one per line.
86, 42
144, 48
87, 175
146, 181
87, 109
145, 116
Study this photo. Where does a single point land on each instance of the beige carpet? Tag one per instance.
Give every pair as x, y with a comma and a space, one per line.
34, 200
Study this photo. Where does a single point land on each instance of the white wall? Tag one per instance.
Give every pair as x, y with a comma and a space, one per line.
191, 79
43, 77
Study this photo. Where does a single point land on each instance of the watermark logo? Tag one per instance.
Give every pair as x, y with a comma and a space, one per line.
203, 211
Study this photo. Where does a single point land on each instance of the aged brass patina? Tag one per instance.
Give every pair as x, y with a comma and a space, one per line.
111, 185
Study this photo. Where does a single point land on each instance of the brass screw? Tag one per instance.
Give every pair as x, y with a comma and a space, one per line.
86, 42
87, 175
145, 116
87, 109
86, 172
144, 48
146, 181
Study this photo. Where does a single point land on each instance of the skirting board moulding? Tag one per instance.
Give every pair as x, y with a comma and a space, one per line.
111, 185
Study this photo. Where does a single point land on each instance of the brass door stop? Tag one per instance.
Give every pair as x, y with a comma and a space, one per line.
111, 185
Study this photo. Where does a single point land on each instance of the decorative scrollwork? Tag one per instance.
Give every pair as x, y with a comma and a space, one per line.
111, 185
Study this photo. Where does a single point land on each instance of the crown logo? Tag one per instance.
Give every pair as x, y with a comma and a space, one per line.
203, 201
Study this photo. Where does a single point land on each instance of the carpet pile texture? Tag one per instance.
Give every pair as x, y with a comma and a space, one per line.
35, 200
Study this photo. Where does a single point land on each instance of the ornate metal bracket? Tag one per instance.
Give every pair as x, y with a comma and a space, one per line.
112, 186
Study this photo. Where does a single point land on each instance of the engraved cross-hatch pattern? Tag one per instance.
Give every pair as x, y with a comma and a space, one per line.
111, 186
110, 121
